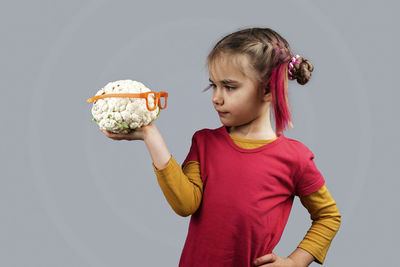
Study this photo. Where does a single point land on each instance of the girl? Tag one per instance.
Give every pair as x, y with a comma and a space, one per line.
238, 181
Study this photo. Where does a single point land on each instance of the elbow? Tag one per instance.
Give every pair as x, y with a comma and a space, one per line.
183, 209
183, 212
337, 217
338, 220
188, 208
331, 221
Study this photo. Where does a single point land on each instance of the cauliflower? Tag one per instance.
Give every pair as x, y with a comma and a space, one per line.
122, 115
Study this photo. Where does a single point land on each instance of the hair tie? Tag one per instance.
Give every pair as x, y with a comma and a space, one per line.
291, 62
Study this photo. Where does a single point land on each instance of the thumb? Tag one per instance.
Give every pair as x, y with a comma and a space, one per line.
135, 135
268, 258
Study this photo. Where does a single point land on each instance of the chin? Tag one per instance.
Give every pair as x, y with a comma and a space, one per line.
224, 123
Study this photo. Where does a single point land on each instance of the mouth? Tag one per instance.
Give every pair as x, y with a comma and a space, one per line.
222, 113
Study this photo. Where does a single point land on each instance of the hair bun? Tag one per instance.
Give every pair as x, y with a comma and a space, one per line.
302, 72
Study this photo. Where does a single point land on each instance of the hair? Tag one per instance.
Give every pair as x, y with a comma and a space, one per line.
269, 55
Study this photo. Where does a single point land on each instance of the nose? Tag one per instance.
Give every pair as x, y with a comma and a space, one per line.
217, 97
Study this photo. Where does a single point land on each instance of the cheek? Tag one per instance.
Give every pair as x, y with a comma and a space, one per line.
244, 107
240, 109
236, 106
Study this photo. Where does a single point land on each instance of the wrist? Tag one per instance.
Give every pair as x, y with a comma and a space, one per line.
148, 130
294, 262
301, 258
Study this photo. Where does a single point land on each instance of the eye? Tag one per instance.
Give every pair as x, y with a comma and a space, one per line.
230, 88
212, 85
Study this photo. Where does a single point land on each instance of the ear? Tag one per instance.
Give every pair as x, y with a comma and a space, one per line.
267, 94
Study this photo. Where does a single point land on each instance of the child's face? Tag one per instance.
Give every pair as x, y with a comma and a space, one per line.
241, 98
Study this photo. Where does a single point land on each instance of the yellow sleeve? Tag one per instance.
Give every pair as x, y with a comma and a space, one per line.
326, 221
183, 189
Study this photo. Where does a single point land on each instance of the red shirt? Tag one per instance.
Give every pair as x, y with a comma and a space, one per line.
247, 197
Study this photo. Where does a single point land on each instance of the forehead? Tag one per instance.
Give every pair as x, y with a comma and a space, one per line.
234, 67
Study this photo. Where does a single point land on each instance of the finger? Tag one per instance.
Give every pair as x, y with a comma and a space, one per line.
265, 259
108, 133
112, 135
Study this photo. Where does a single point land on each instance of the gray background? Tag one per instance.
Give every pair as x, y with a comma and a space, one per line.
70, 196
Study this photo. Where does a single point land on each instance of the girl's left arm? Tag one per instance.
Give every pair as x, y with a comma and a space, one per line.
326, 221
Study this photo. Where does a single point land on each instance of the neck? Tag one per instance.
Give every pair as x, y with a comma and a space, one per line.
258, 128
249, 134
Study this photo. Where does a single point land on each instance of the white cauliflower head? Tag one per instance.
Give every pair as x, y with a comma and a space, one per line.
122, 115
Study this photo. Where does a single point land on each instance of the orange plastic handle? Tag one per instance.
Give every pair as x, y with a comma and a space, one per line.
132, 95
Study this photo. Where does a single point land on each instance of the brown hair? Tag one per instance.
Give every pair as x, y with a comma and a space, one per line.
269, 55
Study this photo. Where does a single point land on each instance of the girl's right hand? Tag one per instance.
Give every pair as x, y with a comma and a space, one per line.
133, 135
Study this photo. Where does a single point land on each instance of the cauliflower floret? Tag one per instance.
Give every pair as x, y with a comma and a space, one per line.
122, 115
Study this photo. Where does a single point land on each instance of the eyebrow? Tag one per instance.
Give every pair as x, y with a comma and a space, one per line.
226, 81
